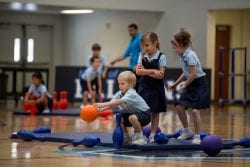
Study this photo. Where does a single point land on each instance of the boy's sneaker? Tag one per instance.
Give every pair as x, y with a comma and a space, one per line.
151, 138
139, 139
46, 111
196, 139
187, 134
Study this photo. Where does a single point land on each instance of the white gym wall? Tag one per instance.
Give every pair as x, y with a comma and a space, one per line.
73, 35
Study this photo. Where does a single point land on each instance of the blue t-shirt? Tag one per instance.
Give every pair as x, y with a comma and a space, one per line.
37, 91
90, 74
189, 58
134, 103
133, 50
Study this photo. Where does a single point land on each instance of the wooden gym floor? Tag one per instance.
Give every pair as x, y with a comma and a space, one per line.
229, 122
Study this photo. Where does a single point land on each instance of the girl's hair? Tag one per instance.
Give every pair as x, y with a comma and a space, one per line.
183, 38
152, 37
39, 76
129, 77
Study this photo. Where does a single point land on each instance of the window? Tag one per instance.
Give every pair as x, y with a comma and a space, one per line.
30, 57
17, 48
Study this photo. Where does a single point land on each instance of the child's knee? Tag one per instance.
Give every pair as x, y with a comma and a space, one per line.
154, 115
195, 111
93, 93
85, 93
132, 118
44, 101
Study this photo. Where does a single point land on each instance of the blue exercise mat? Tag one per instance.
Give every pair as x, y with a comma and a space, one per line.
174, 144
58, 112
106, 140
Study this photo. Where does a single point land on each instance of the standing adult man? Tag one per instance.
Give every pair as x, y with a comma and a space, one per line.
133, 50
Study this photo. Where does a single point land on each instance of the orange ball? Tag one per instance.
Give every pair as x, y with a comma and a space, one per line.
89, 113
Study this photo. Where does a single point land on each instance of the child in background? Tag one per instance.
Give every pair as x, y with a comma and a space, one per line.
43, 98
194, 91
103, 68
151, 67
135, 111
87, 81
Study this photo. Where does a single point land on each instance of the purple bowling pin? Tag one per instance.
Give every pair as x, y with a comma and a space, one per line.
29, 136
118, 133
244, 142
42, 129
87, 141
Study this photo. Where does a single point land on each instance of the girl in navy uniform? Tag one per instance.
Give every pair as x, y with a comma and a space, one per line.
194, 90
151, 67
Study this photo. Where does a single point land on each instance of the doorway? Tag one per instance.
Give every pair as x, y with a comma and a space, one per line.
222, 39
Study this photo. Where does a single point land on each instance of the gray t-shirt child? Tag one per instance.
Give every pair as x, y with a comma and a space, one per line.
37, 91
189, 58
134, 103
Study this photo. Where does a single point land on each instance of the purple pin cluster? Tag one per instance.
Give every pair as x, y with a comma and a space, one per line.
30, 135
87, 141
210, 144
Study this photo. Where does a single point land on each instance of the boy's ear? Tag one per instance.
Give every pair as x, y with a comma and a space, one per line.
131, 85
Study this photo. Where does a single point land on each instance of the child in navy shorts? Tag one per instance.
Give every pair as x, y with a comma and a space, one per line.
151, 67
43, 98
135, 111
96, 52
103, 67
194, 91
87, 81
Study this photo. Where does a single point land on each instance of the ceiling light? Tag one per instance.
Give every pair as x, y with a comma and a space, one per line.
80, 11
16, 5
30, 7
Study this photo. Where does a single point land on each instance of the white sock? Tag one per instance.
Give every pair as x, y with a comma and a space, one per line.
187, 129
139, 134
197, 136
126, 135
152, 135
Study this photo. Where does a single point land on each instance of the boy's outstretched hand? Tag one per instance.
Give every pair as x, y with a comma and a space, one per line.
100, 106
